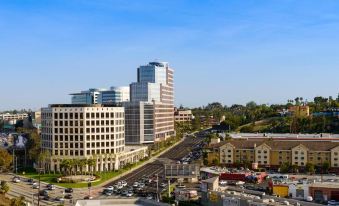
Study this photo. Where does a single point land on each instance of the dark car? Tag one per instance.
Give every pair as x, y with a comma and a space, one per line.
69, 196
47, 198
43, 193
69, 190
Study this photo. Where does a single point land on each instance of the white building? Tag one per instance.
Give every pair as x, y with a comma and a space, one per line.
85, 132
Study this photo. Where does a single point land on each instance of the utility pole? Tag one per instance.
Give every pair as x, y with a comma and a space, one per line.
39, 188
169, 188
158, 187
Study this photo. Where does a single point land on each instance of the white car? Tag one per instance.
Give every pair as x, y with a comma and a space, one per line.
149, 197
163, 185
110, 188
222, 182
124, 183
129, 194
16, 180
136, 184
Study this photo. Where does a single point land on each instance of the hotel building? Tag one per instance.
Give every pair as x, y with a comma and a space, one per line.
273, 153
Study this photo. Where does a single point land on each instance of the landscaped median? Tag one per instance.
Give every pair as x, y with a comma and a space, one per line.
102, 177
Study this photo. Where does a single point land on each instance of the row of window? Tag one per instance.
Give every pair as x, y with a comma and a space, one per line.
88, 130
88, 152
91, 115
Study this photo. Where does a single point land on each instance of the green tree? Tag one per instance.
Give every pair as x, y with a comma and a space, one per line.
326, 166
66, 166
285, 167
310, 168
215, 162
4, 187
43, 158
19, 201
5, 159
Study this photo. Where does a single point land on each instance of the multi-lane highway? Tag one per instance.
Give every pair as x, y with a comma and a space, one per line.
156, 168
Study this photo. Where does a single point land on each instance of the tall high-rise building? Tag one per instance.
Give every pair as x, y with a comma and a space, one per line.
150, 113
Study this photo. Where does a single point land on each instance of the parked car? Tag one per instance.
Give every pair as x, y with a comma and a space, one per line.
111, 188
124, 183
129, 194
108, 192
149, 197
124, 193
88, 198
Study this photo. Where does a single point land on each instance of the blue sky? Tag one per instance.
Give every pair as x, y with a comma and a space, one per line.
228, 51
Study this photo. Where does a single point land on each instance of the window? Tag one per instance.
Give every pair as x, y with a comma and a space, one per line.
296, 152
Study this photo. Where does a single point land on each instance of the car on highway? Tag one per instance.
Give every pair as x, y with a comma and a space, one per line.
68, 196
16, 179
35, 186
30, 181
43, 192
51, 187
68, 190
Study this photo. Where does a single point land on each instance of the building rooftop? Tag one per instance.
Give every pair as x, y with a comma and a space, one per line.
278, 144
83, 105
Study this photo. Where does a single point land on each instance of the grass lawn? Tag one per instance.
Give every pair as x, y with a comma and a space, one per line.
104, 176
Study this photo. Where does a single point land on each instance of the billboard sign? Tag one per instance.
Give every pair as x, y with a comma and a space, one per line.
182, 170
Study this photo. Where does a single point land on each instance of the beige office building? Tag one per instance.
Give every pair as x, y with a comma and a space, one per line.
85, 132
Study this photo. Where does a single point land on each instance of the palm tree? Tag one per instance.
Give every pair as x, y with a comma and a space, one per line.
82, 164
65, 165
91, 163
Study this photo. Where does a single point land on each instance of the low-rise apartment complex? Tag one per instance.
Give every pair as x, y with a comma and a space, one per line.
273, 153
